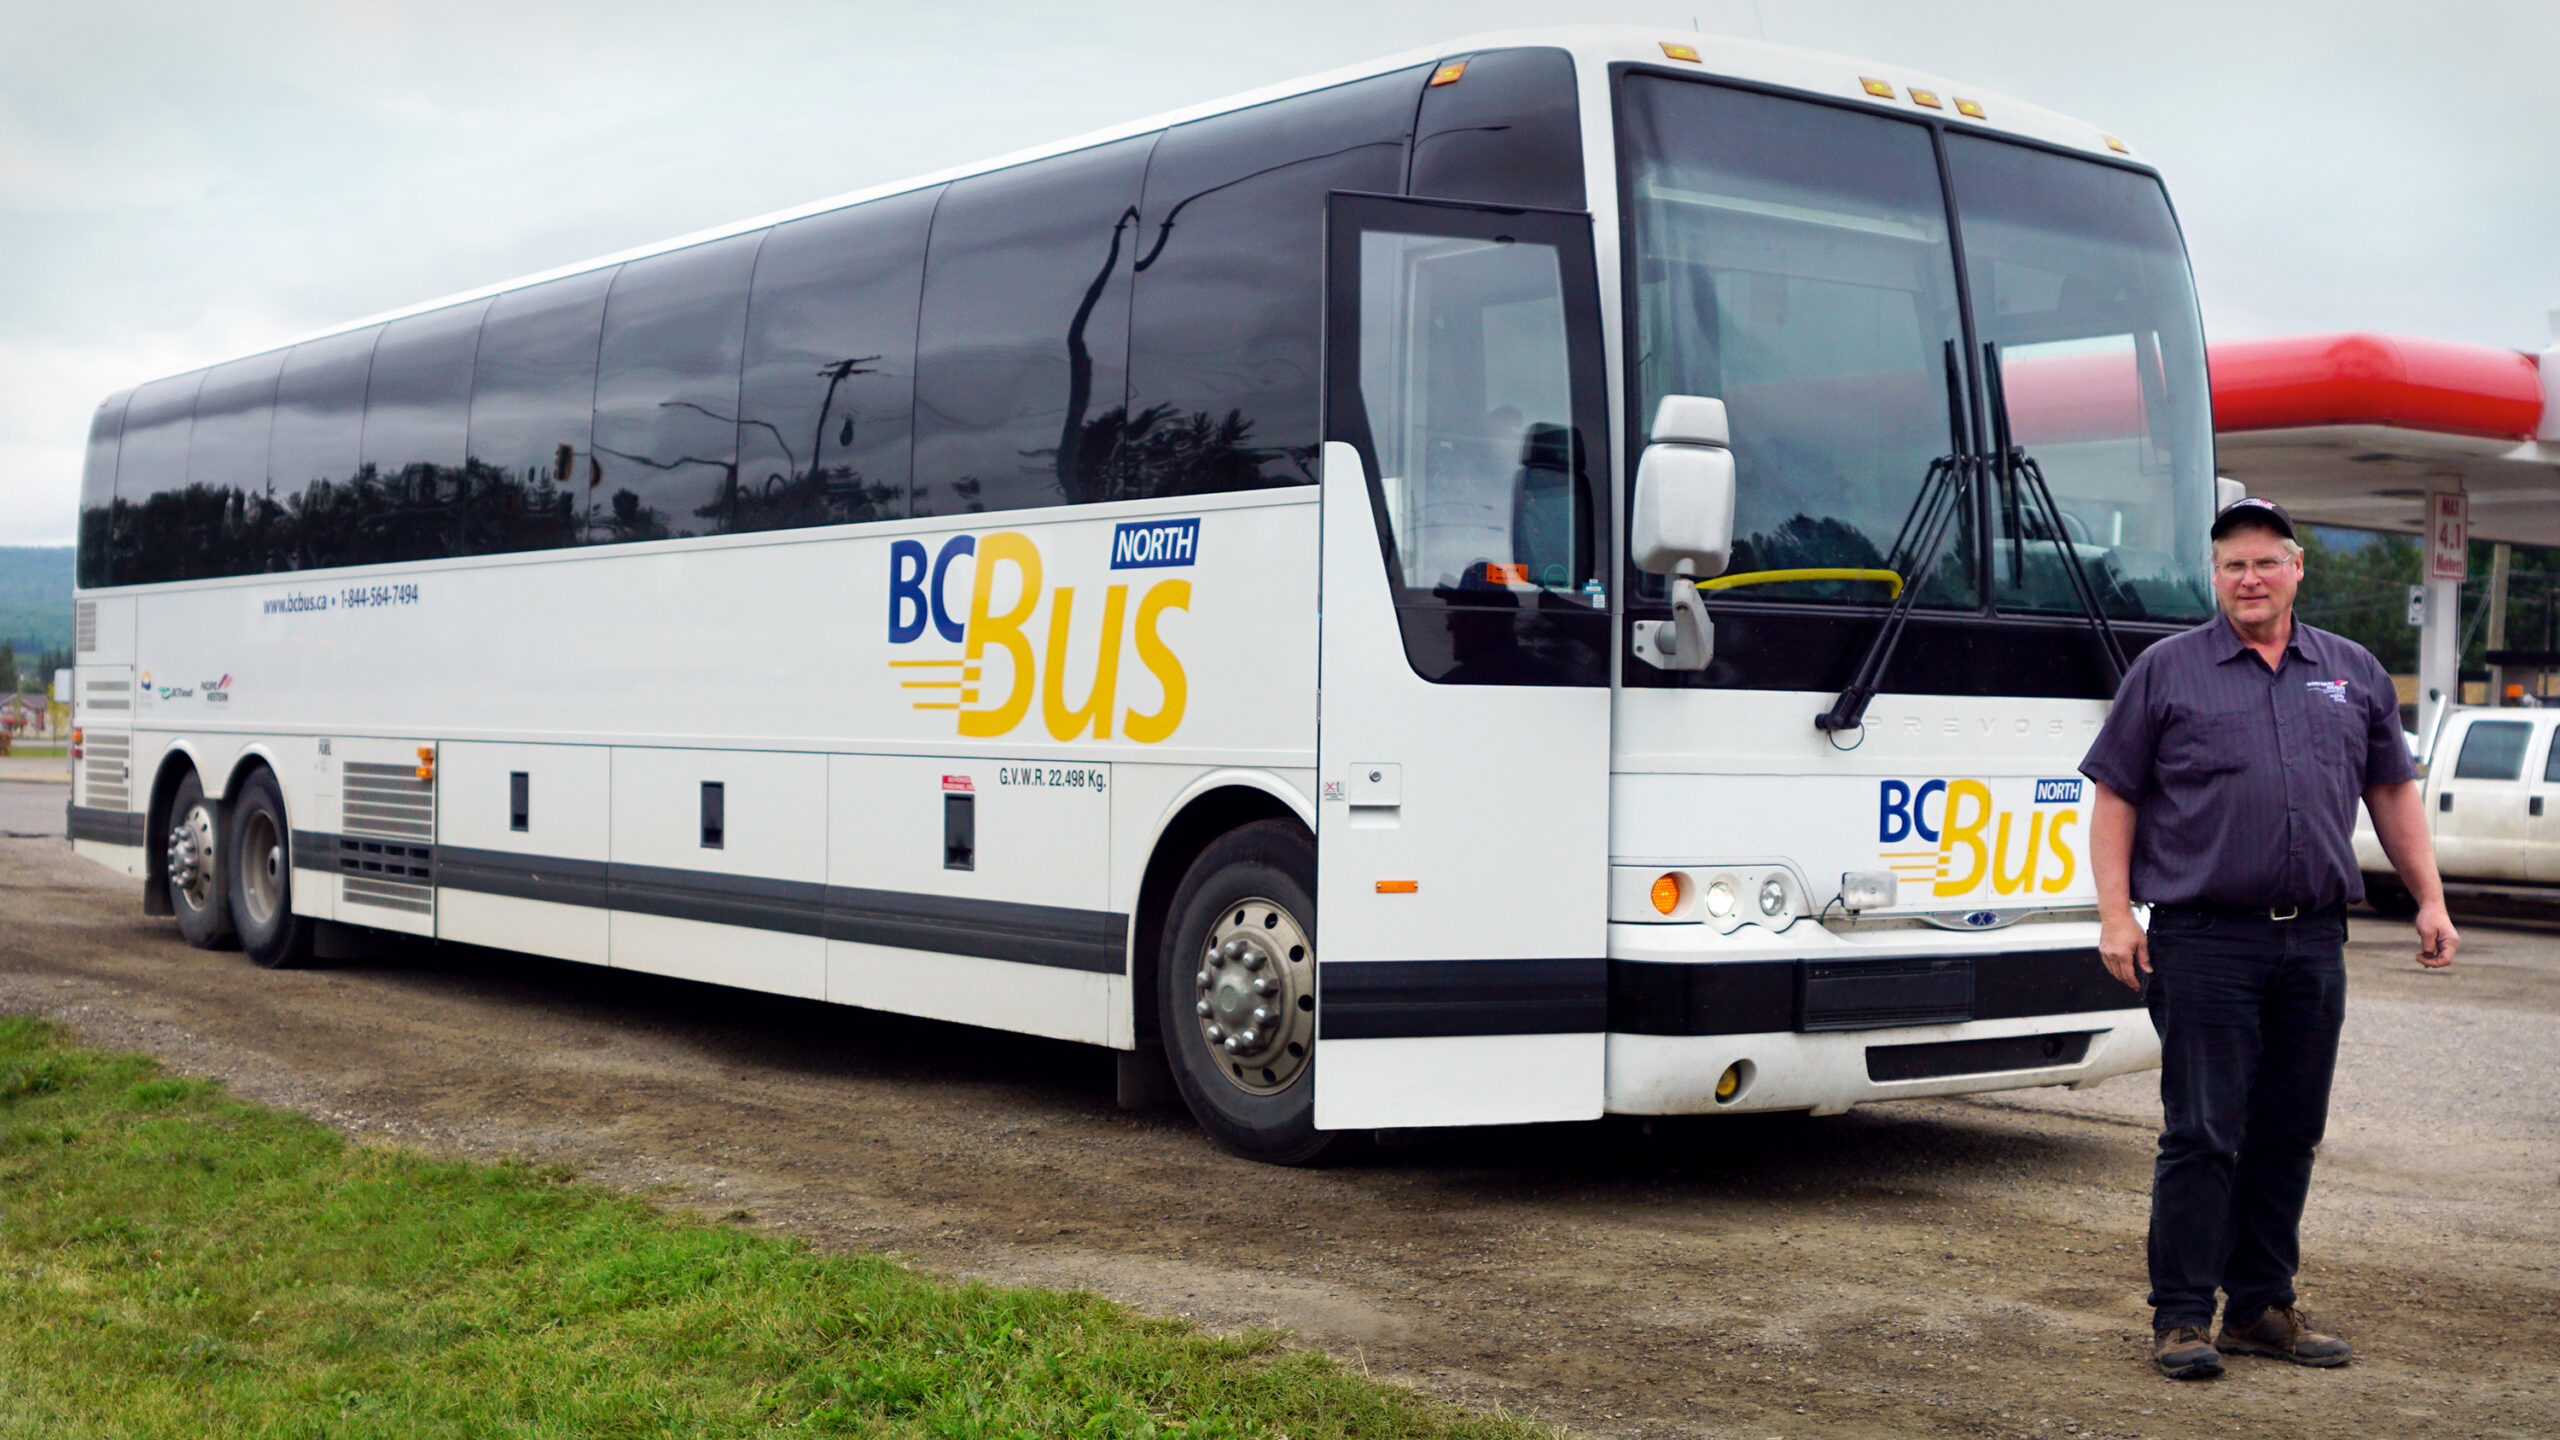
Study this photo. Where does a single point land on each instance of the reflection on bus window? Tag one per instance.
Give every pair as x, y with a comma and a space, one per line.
1465, 376
2079, 278
1793, 261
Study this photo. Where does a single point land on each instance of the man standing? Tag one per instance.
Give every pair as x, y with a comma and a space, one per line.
2226, 784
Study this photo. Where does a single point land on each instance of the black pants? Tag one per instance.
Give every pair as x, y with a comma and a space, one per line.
2248, 1011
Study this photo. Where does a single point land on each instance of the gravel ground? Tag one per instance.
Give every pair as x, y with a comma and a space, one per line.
1940, 1268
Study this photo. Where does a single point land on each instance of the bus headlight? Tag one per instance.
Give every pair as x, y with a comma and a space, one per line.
1720, 898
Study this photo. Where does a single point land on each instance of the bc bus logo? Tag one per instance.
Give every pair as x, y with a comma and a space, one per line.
1971, 838
999, 671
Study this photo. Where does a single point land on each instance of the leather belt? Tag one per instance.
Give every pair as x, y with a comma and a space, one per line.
2278, 913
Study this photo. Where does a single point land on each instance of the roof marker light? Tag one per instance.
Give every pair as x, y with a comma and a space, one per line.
1448, 74
1881, 89
1681, 52
1969, 107
2117, 145
1926, 97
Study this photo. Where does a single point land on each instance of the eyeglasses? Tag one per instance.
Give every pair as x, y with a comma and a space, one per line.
2264, 568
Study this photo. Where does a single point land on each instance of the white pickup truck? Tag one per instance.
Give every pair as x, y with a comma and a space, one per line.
2492, 785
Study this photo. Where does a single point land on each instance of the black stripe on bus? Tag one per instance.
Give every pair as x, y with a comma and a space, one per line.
1051, 935
1402, 999
107, 827
1753, 997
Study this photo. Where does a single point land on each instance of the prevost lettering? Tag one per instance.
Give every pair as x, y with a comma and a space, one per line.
1005, 591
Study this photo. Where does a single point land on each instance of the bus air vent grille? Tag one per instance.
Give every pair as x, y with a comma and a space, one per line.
105, 771
387, 874
84, 627
388, 801
109, 695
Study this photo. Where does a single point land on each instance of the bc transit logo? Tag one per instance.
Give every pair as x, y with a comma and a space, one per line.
1969, 836
1005, 592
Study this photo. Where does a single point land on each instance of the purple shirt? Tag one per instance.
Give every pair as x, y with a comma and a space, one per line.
2245, 780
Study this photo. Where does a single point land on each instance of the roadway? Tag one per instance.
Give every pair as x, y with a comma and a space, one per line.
1957, 1268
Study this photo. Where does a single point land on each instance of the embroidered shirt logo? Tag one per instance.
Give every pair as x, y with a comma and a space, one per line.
2335, 689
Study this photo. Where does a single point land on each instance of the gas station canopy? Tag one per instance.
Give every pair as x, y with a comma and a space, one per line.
2358, 429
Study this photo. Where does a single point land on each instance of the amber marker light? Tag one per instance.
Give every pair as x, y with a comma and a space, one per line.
426, 764
76, 737
1448, 74
1926, 97
1969, 107
1666, 893
1881, 89
1398, 887
1681, 52
2117, 145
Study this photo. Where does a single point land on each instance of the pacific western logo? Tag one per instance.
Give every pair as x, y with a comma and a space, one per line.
1973, 839
1005, 595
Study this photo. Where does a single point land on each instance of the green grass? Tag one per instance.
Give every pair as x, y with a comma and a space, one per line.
175, 1262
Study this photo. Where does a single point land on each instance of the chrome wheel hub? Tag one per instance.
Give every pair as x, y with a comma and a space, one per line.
1256, 996
192, 871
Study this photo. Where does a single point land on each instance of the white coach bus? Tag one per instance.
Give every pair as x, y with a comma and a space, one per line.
1563, 575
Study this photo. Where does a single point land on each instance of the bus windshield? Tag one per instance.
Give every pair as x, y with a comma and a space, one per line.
1798, 261
2078, 277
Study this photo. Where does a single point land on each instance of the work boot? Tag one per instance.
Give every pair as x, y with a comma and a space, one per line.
2182, 1354
2280, 1333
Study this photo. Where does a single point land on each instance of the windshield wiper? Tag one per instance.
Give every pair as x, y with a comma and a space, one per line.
1945, 493
2017, 470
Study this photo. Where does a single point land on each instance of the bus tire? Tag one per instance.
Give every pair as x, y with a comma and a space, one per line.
199, 890
1241, 947
260, 870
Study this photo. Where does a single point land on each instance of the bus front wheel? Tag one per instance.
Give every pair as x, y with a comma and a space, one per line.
260, 871
197, 888
1237, 996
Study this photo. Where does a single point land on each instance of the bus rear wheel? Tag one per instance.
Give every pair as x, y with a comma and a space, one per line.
198, 891
260, 872
1236, 994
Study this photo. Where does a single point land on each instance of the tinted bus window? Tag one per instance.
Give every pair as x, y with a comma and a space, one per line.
227, 467
1225, 320
824, 411
533, 394
416, 415
1023, 343
312, 449
151, 477
98, 491
667, 382
1507, 133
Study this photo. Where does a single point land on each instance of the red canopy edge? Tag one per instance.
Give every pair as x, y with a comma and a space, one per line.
2361, 379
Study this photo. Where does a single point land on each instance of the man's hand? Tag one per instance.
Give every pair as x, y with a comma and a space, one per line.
2436, 940
2126, 950
2400, 823
2121, 943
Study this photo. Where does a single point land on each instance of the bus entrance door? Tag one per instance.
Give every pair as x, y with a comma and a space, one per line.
1463, 730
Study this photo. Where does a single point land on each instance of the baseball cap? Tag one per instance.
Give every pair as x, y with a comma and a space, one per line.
2250, 510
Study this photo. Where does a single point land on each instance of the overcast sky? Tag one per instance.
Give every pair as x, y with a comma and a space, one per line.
180, 183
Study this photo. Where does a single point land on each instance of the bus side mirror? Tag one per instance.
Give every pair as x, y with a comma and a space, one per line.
62, 685
1681, 524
